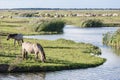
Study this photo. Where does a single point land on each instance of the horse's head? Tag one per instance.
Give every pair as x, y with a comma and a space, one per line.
11, 36
8, 37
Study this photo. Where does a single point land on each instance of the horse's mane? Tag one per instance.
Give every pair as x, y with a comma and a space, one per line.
12, 35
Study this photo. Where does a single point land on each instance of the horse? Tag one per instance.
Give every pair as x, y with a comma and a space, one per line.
28, 47
16, 37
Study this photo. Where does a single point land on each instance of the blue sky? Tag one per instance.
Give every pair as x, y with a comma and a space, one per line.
59, 3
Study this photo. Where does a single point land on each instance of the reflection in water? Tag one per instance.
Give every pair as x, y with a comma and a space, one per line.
108, 71
21, 76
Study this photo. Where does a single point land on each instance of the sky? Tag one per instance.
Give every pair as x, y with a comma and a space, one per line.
59, 3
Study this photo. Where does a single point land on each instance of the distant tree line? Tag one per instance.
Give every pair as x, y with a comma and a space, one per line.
62, 9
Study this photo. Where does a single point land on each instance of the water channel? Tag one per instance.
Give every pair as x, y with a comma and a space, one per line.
110, 70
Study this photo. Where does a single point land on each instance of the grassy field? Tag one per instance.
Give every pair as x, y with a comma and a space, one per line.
61, 54
18, 24
15, 25
108, 21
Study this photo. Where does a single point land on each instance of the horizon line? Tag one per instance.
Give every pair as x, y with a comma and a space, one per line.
57, 8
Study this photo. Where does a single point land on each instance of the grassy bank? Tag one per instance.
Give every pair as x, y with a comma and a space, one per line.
30, 26
107, 21
61, 55
112, 39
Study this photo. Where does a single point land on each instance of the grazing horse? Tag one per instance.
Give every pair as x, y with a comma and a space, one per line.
28, 47
16, 37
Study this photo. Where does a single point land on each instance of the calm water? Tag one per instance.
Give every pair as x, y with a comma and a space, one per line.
110, 70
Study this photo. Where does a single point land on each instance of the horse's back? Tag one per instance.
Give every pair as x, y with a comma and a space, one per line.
19, 37
27, 46
34, 48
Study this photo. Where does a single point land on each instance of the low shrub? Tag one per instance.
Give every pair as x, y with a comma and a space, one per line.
49, 26
28, 14
92, 23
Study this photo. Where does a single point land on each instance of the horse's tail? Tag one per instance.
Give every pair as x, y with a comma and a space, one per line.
43, 56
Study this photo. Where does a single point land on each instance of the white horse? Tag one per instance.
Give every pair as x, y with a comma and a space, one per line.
16, 37
28, 47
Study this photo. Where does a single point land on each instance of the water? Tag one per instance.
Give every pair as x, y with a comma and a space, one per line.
110, 70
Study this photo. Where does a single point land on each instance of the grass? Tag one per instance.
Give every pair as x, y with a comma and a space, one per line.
92, 23
53, 25
112, 39
18, 24
28, 26
61, 54
107, 21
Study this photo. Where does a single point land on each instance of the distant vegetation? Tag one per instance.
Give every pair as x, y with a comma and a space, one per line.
55, 26
28, 14
24, 21
92, 23
63, 9
112, 39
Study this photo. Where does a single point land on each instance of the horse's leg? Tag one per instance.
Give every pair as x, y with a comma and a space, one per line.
36, 55
26, 55
23, 53
21, 41
18, 42
14, 42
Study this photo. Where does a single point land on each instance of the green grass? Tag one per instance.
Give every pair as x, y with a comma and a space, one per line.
51, 25
23, 24
61, 54
93, 23
107, 21
30, 26
112, 39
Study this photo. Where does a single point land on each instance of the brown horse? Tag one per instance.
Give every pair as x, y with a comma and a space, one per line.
16, 37
28, 47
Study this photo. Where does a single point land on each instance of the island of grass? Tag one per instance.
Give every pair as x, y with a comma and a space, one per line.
61, 54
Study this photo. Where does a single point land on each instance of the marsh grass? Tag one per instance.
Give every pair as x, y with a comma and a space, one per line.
51, 25
29, 26
18, 24
61, 54
92, 23
112, 39
107, 21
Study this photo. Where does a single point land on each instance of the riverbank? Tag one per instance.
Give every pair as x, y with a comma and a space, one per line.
112, 39
61, 55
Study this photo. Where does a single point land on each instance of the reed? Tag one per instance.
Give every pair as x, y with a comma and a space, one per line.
112, 39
